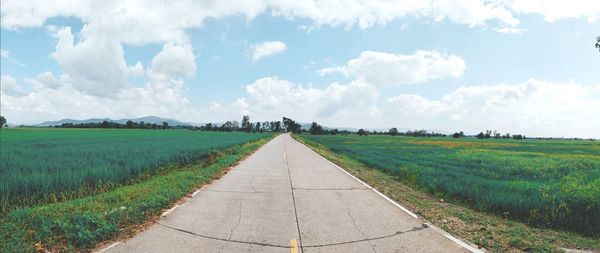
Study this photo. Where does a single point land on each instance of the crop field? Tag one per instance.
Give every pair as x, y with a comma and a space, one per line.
49, 165
546, 183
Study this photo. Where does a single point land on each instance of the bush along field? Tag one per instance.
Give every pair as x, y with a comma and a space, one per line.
80, 224
544, 183
51, 165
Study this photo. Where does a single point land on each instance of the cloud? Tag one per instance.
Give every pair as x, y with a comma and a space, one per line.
271, 97
556, 10
95, 63
266, 49
46, 79
175, 60
385, 69
4, 53
136, 70
533, 107
158, 97
8, 86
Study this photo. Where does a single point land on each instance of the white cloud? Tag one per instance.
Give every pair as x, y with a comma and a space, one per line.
536, 108
9, 87
385, 69
533, 107
160, 98
137, 69
95, 64
46, 79
553, 10
266, 49
175, 60
4, 53
271, 97
140, 22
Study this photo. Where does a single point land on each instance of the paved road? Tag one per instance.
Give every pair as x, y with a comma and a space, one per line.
286, 195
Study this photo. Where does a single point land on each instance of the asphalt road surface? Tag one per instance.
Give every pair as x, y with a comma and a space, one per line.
287, 198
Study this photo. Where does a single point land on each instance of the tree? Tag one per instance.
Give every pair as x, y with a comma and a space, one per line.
2, 121
393, 131
257, 128
165, 125
598, 43
460, 134
246, 125
362, 132
291, 125
129, 124
480, 135
316, 128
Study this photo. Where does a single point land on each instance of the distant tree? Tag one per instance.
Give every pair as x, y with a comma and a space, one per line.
460, 134
518, 136
334, 131
393, 131
291, 125
316, 128
2, 121
488, 134
246, 125
257, 127
506, 136
165, 125
362, 132
598, 43
497, 135
129, 124
276, 126
104, 124
480, 135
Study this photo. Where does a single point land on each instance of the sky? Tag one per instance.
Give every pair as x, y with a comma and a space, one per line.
517, 66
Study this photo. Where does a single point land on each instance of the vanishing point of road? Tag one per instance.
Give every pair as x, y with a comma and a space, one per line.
287, 198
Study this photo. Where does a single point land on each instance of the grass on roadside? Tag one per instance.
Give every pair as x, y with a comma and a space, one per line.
494, 233
80, 224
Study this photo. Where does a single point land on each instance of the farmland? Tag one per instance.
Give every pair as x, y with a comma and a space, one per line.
51, 165
545, 183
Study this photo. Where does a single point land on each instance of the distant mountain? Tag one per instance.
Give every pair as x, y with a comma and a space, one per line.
147, 119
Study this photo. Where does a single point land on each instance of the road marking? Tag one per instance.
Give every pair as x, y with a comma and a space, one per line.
463, 244
107, 248
293, 246
169, 211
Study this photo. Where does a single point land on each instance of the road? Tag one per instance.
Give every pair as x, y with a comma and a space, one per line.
287, 198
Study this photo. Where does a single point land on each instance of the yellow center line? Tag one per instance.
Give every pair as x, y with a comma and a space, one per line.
293, 246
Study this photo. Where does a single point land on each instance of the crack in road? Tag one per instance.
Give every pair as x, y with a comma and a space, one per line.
236, 225
223, 239
349, 214
414, 229
331, 189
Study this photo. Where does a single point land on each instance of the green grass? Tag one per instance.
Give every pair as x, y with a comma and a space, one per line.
496, 233
553, 184
80, 224
51, 165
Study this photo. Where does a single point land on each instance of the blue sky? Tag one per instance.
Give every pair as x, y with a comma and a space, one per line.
546, 65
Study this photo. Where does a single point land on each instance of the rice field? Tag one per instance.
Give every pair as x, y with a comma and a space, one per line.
546, 183
49, 165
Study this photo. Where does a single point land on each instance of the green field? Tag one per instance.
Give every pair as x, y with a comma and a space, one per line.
545, 183
50, 165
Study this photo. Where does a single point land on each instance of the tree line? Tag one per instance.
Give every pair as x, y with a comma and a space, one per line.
110, 124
